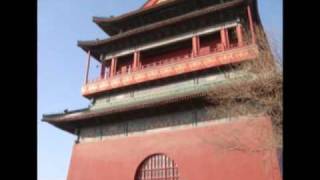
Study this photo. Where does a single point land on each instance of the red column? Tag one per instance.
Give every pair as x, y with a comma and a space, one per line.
239, 35
227, 38
223, 38
113, 67
136, 60
198, 43
134, 65
195, 45
253, 36
139, 64
87, 68
103, 70
107, 75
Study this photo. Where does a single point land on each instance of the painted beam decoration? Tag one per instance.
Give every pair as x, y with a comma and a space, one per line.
153, 73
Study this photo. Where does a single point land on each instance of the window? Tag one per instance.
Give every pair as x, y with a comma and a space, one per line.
158, 166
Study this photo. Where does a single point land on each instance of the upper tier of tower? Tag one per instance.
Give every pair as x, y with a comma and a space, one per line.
197, 35
162, 21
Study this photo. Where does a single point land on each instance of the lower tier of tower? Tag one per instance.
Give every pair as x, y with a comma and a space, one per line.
229, 148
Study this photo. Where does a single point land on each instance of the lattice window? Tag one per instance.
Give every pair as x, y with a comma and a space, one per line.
157, 167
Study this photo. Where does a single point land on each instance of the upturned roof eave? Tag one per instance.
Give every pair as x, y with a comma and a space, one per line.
90, 114
52, 116
106, 27
136, 12
107, 23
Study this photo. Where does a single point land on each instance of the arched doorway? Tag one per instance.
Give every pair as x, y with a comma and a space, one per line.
158, 166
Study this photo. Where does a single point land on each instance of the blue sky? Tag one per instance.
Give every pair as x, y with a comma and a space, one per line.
61, 66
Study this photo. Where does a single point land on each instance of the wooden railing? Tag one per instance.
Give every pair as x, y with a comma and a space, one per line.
207, 58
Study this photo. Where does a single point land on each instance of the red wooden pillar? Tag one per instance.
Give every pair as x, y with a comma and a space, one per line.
134, 65
253, 36
223, 38
139, 63
227, 38
103, 70
198, 44
239, 35
113, 67
195, 45
136, 60
107, 75
87, 68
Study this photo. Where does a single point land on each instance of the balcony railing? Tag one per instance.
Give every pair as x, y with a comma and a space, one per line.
207, 58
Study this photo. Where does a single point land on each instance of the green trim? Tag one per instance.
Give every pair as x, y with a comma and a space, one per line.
175, 90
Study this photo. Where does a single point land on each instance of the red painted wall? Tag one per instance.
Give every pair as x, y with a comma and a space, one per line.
224, 151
